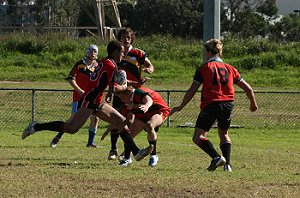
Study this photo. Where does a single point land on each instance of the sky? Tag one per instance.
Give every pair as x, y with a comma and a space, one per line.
287, 6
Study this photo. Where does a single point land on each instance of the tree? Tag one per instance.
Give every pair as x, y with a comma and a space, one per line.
247, 18
287, 28
268, 8
175, 17
250, 24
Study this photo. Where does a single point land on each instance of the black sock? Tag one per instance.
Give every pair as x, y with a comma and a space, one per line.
208, 147
126, 137
50, 126
127, 151
226, 149
154, 149
114, 135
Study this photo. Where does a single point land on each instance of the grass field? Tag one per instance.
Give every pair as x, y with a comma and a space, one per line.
265, 164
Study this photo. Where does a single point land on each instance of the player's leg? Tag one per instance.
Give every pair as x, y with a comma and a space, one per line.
109, 114
204, 123
72, 126
135, 128
225, 146
155, 121
224, 120
114, 134
59, 135
92, 131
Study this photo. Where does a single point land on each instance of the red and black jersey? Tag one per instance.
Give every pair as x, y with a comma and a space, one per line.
81, 74
217, 79
98, 82
132, 64
159, 106
157, 99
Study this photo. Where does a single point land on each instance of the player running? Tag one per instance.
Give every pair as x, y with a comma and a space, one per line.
134, 63
78, 78
217, 79
91, 104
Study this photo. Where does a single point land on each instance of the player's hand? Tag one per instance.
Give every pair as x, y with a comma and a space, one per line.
81, 92
108, 97
144, 108
253, 107
147, 70
145, 79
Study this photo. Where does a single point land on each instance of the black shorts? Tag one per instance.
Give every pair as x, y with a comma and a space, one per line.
220, 111
117, 103
95, 107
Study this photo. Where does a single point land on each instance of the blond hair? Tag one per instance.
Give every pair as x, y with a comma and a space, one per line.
214, 46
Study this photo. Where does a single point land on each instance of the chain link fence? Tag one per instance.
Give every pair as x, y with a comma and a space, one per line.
276, 109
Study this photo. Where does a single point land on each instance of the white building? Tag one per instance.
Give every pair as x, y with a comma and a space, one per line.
286, 7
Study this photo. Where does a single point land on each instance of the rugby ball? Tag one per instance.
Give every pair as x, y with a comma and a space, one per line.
121, 77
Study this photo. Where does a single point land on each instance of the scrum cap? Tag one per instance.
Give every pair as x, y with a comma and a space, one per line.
92, 48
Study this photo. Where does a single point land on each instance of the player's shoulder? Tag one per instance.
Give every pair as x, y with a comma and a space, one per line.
141, 92
80, 62
201, 66
136, 51
107, 61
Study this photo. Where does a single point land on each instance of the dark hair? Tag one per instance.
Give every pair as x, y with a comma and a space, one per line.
113, 46
124, 31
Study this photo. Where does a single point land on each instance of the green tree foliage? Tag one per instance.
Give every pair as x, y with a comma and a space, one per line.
247, 18
174, 17
287, 28
249, 24
239, 18
268, 8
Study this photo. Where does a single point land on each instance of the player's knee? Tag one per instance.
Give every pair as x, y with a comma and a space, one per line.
199, 140
149, 127
72, 130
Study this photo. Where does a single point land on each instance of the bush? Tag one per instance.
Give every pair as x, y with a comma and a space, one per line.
268, 61
248, 63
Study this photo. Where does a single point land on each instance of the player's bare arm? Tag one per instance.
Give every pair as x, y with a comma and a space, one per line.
132, 83
147, 103
148, 67
250, 94
187, 97
73, 83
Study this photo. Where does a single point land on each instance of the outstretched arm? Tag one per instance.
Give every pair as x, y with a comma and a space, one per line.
187, 97
250, 94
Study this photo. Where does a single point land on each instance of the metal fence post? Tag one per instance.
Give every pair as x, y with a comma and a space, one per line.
169, 104
33, 104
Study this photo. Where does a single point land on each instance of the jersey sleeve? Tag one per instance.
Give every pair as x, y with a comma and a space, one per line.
236, 76
73, 73
140, 93
140, 55
197, 77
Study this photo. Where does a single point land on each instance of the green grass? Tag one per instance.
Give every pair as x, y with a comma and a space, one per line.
49, 58
265, 160
265, 164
